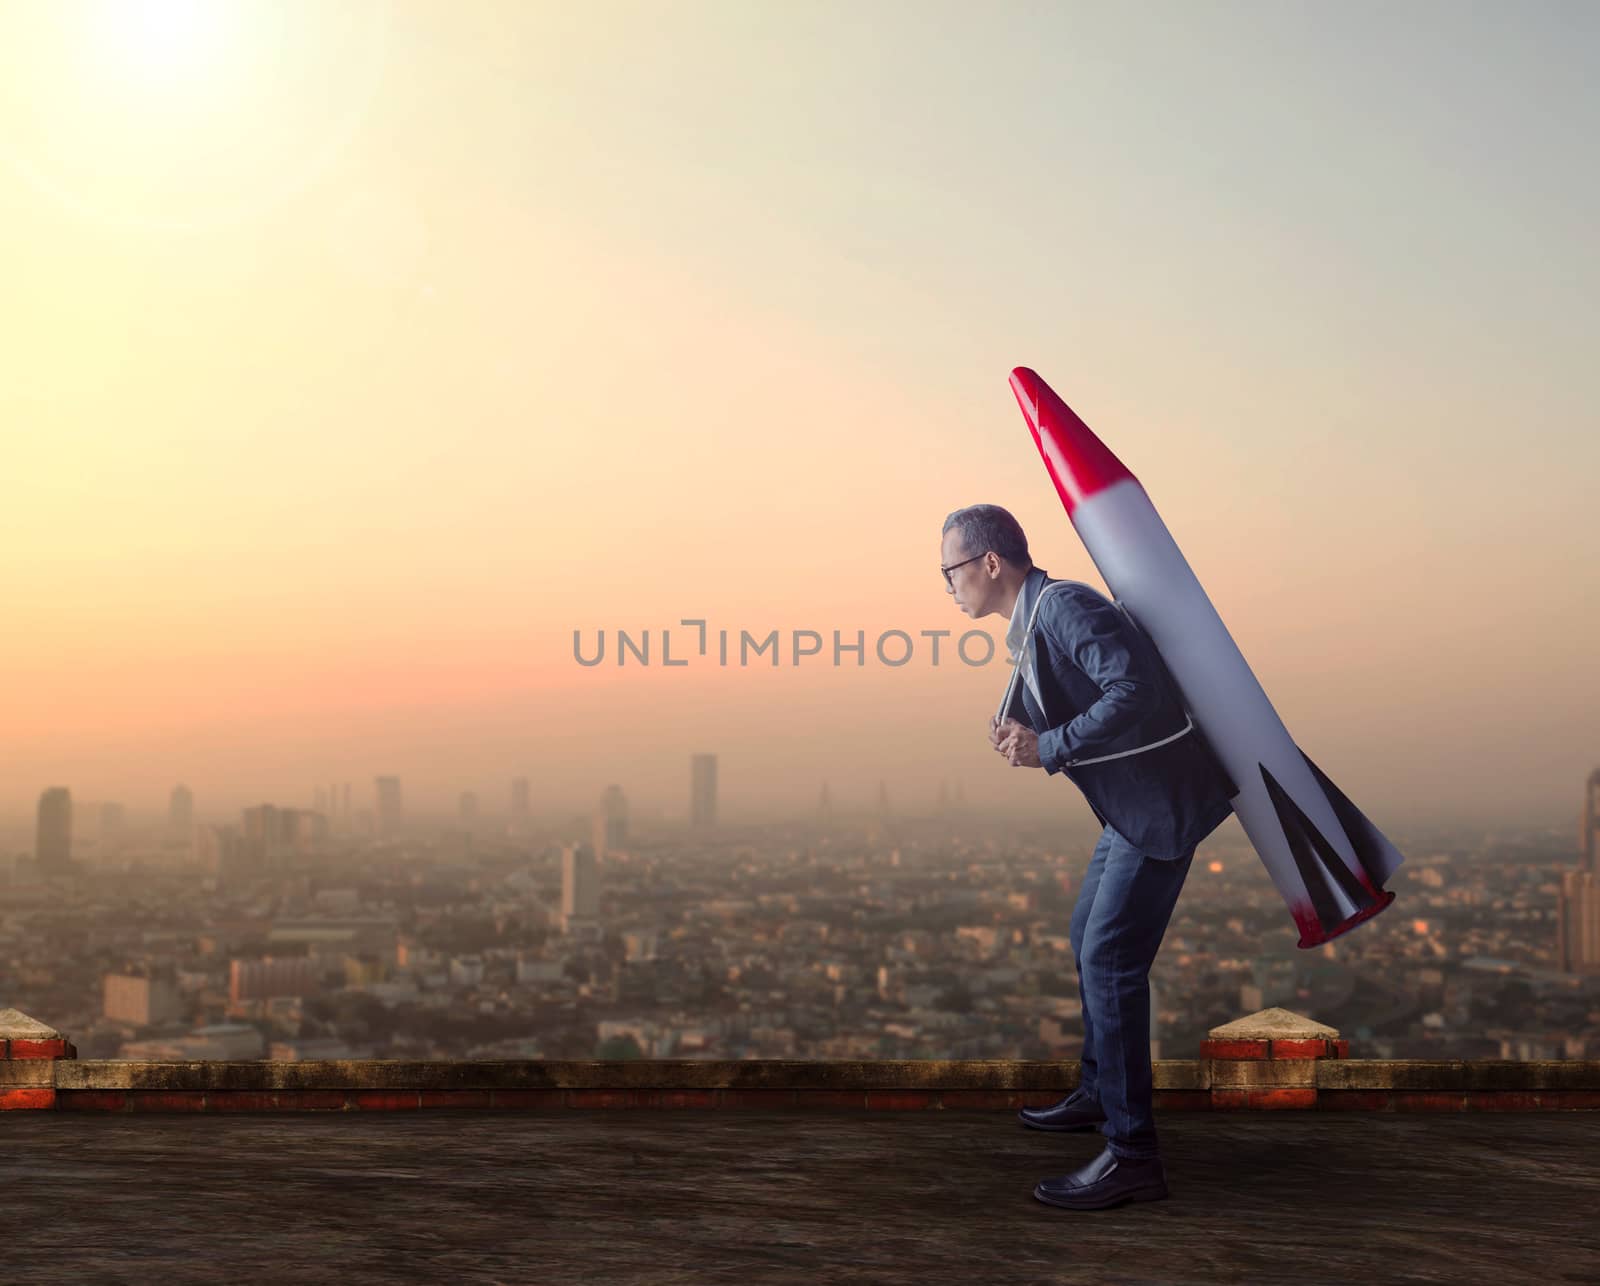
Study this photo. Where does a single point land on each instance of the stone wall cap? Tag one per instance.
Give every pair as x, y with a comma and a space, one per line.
16, 1025
1273, 1024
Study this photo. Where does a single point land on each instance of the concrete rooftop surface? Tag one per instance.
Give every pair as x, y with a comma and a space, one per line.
809, 1196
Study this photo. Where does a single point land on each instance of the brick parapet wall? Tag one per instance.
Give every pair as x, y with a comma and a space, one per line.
39, 1068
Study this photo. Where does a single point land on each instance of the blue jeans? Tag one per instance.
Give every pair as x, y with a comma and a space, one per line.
1117, 926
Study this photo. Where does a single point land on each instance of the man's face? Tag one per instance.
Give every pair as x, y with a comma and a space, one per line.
972, 584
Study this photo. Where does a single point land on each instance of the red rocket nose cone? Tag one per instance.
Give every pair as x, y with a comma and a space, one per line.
1078, 462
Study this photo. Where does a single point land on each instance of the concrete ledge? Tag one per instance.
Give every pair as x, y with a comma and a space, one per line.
1269, 1061
1345, 1084
646, 1074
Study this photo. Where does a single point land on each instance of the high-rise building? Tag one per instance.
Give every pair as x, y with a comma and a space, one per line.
521, 808
611, 821
1589, 824
180, 812
388, 806
1578, 923
221, 851
272, 835
580, 887
274, 976
143, 999
703, 790
1578, 909
52, 843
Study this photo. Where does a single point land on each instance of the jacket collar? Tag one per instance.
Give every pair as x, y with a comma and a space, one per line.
1032, 583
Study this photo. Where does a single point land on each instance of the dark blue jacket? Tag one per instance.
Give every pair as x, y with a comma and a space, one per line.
1106, 689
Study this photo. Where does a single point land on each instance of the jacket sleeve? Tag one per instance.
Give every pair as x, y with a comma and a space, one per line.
1094, 635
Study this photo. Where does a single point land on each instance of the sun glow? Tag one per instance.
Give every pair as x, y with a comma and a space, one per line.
160, 41
179, 113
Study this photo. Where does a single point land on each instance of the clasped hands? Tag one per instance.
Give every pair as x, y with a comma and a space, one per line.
1018, 744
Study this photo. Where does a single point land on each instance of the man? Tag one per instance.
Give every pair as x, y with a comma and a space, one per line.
1092, 699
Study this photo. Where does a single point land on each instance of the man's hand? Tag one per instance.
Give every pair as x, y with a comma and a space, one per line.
1018, 744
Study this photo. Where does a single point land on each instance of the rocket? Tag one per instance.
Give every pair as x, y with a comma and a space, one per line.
1327, 860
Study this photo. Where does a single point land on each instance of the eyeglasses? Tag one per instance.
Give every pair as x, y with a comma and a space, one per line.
953, 566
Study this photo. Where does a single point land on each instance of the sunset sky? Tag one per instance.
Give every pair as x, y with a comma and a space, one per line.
354, 355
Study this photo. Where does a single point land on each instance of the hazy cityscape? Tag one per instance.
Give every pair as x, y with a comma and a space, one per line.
356, 928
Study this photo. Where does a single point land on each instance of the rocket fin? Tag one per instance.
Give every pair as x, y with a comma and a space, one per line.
1318, 862
1377, 855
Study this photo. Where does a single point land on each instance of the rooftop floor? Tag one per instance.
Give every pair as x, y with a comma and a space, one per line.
624, 1196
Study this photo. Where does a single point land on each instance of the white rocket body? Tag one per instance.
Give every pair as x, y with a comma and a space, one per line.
1327, 860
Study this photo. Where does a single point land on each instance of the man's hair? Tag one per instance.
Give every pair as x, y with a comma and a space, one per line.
986, 527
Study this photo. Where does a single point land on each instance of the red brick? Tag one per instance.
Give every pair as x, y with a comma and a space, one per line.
529, 1099
1569, 1099
39, 1049
1283, 1098
1428, 1101
1355, 1100
899, 1100
312, 1100
605, 1098
1503, 1101
240, 1100
93, 1100
455, 1098
1316, 1048
852, 1099
1341, 1049
680, 1098
32, 1097
993, 1100
1234, 1048
1181, 1100
768, 1099
1230, 1098
383, 1100
167, 1100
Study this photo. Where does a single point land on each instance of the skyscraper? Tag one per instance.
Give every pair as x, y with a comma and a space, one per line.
580, 888
703, 790
1578, 923
1578, 906
388, 806
52, 844
180, 812
1589, 824
611, 821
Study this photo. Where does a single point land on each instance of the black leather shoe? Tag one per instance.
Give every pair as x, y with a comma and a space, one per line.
1108, 1180
1077, 1111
